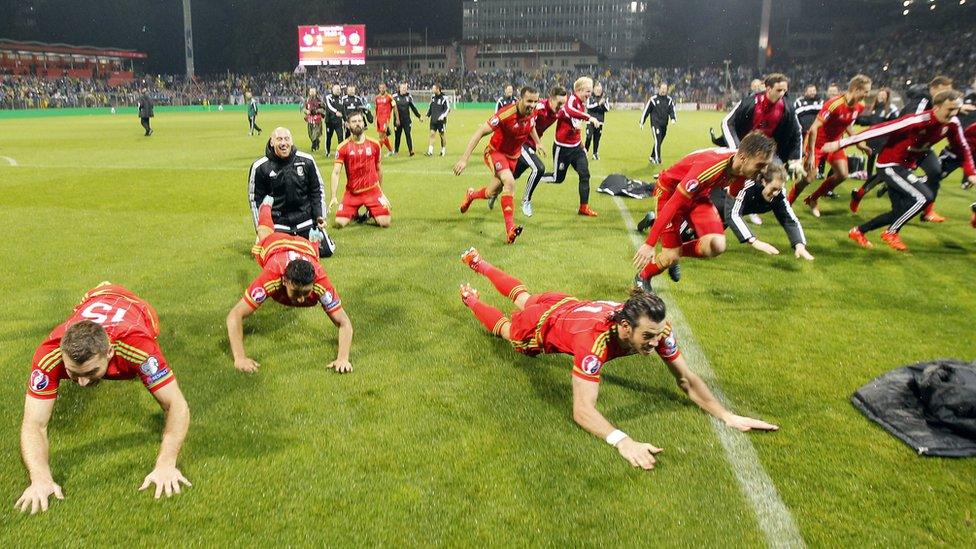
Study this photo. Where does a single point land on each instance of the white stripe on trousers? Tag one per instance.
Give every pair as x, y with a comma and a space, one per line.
736, 216
911, 191
533, 175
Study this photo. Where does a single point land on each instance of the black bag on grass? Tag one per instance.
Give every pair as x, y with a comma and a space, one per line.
931, 406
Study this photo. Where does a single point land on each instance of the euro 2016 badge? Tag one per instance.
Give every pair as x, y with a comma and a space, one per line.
258, 295
38, 381
591, 365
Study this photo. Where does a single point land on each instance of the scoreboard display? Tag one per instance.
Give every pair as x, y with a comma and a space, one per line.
332, 45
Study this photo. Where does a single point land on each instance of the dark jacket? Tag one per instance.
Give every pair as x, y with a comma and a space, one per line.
917, 99
807, 111
597, 106
296, 185
660, 109
404, 104
880, 113
750, 200
787, 134
438, 109
333, 109
145, 106
354, 102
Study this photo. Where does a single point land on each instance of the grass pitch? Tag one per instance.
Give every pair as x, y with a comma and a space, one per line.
444, 435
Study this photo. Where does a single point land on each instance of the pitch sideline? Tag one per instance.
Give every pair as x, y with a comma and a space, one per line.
771, 513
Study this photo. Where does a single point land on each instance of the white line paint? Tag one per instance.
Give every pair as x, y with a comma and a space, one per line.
771, 513
9, 160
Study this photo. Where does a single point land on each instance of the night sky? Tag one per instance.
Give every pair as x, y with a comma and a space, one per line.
252, 35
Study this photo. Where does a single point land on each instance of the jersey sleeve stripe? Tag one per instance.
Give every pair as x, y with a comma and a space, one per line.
50, 360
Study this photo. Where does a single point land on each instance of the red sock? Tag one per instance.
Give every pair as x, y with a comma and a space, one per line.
490, 317
791, 198
506, 284
508, 211
927, 210
264, 216
691, 249
652, 270
480, 194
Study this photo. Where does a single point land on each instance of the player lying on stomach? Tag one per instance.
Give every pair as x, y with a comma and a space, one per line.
291, 275
110, 335
594, 332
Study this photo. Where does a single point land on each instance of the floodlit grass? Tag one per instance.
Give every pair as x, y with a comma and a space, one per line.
443, 435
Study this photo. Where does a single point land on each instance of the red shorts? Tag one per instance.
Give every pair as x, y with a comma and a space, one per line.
497, 162
374, 200
382, 126
701, 215
836, 156
525, 329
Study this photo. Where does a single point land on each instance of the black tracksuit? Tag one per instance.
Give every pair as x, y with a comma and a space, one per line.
334, 121
404, 105
750, 200
597, 107
806, 111
145, 112
660, 109
437, 112
298, 191
351, 103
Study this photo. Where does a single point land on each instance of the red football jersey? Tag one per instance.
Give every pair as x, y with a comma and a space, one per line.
511, 130
571, 119
544, 116
836, 117
584, 329
384, 107
692, 179
132, 326
274, 255
362, 162
910, 138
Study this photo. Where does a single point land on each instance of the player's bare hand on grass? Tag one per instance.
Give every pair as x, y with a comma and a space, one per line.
643, 257
166, 479
246, 365
802, 253
341, 366
459, 167
745, 424
35, 497
765, 247
639, 454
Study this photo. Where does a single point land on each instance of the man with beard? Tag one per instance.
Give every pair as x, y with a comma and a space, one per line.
360, 156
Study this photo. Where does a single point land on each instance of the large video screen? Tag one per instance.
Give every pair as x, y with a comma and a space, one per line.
332, 45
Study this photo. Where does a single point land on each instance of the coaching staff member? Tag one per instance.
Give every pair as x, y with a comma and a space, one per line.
770, 112
146, 111
293, 179
403, 102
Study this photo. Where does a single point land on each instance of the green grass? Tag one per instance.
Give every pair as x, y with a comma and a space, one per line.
444, 435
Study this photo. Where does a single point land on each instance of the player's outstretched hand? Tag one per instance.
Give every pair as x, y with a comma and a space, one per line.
765, 247
802, 253
644, 255
459, 167
971, 182
166, 479
833, 146
341, 366
744, 424
639, 454
246, 365
35, 497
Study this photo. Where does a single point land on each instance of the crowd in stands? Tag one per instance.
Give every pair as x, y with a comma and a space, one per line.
896, 62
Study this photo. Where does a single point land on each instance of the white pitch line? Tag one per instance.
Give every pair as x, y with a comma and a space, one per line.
9, 160
771, 513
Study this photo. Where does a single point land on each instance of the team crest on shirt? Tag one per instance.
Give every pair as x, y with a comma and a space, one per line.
149, 367
300, 170
369, 152
38, 381
591, 365
259, 295
691, 185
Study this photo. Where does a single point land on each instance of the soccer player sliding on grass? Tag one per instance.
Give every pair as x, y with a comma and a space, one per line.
594, 332
683, 195
110, 335
292, 276
509, 128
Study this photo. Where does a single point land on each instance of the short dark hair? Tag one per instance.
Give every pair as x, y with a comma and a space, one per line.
756, 143
356, 112
83, 340
939, 81
948, 95
557, 91
527, 89
300, 272
775, 78
640, 304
